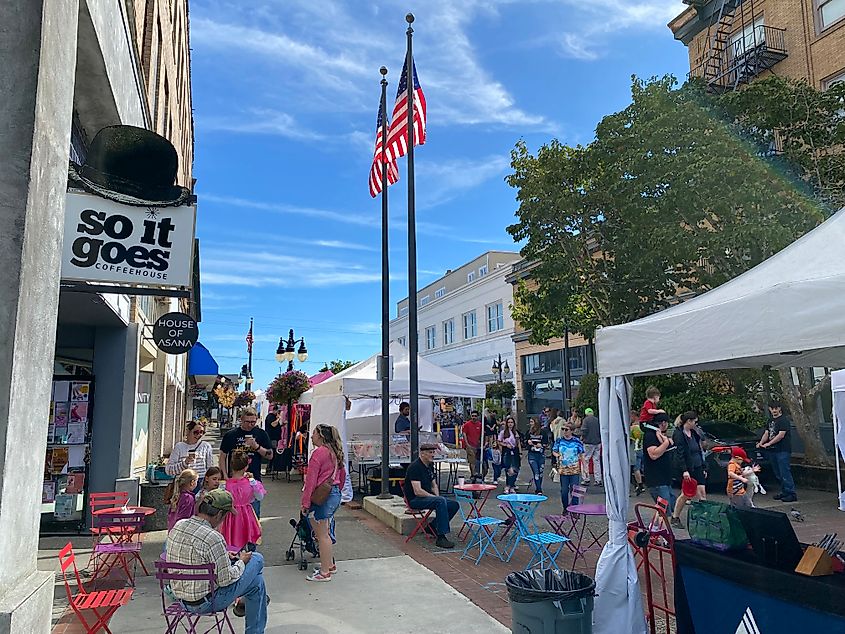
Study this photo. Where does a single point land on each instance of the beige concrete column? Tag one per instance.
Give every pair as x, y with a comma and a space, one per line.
38, 53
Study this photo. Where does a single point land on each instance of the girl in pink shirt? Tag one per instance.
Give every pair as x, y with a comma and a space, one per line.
327, 464
182, 497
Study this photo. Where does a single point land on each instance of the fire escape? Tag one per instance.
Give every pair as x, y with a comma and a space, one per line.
739, 46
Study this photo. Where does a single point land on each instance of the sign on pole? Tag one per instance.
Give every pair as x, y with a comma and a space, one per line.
175, 333
106, 241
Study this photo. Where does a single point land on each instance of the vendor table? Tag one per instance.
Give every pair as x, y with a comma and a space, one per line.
716, 592
477, 503
452, 476
364, 466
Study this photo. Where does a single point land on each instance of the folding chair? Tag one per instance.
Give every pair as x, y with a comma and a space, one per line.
510, 521
421, 515
102, 603
175, 614
96, 502
481, 529
580, 511
123, 529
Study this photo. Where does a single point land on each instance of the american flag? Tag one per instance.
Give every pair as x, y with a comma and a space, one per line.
249, 339
378, 157
397, 137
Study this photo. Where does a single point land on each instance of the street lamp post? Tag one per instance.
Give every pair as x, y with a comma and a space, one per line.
285, 352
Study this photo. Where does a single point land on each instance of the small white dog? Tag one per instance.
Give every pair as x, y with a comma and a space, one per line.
754, 485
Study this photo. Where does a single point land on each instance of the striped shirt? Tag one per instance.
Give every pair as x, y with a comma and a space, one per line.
193, 541
203, 458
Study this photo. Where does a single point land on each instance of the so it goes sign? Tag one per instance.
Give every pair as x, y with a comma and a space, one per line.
105, 241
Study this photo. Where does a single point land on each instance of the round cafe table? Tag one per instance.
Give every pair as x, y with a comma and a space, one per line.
477, 503
146, 510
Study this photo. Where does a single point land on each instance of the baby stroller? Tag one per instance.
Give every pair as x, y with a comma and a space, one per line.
303, 538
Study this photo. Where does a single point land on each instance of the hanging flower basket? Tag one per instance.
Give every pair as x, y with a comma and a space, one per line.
288, 387
225, 395
244, 398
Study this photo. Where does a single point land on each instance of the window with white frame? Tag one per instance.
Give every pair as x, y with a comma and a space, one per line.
425, 299
495, 317
482, 271
470, 325
440, 292
448, 332
403, 311
470, 277
829, 12
430, 338
830, 82
749, 38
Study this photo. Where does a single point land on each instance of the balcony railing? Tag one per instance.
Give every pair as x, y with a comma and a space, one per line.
743, 60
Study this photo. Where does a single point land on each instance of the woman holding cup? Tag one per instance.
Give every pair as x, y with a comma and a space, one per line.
192, 453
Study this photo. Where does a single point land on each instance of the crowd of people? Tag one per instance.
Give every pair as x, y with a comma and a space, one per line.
213, 512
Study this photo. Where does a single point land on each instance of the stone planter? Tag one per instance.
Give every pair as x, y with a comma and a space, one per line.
153, 495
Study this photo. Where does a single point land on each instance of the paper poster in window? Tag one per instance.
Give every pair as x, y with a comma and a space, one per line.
64, 506
60, 391
60, 412
48, 491
51, 432
79, 391
59, 460
79, 413
75, 433
75, 483
76, 456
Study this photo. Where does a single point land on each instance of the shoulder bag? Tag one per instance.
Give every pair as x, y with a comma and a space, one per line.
321, 492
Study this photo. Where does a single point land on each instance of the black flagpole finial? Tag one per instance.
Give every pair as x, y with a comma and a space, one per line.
409, 18
383, 70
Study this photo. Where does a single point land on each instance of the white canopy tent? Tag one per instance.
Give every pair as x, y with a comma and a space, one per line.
360, 385
784, 312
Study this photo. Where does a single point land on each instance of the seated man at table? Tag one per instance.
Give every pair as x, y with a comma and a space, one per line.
195, 540
423, 493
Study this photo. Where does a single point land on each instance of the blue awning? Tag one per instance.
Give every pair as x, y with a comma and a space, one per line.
201, 362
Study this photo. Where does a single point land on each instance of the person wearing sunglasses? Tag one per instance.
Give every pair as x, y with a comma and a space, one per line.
192, 453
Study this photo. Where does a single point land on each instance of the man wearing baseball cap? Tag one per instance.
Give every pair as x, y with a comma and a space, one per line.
591, 437
422, 493
195, 540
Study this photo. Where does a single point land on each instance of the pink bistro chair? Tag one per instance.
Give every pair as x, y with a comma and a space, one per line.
175, 614
579, 513
124, 529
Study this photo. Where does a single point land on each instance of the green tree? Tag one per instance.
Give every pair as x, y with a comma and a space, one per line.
337, 366
499, 391
678, 193
588, 393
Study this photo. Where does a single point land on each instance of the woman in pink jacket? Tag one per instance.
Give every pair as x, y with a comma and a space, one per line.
326, 464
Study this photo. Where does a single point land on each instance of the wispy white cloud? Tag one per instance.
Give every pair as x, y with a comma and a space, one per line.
599, 18
443, 181
262, 121
282, 208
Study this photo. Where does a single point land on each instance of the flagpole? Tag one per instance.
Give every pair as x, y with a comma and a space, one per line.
413, 335
385, 304
249, 363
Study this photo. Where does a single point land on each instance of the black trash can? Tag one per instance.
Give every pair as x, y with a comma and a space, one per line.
551, 602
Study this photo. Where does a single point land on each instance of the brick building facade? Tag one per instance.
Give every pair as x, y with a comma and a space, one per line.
735, 41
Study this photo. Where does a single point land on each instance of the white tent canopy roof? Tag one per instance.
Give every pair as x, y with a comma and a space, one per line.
360, 380
787, 311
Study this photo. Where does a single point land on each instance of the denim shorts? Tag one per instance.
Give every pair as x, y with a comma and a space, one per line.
328, 508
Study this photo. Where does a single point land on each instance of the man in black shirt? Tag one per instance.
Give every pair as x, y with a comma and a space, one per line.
423, 493
403, 423
254, 440
657, 461
778, 440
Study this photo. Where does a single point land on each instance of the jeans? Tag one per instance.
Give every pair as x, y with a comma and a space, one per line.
511, 463
783, 471
444, 511
664, 491
250, 587
256, 506
327, 509
594, 452
537, 461
497, 470
566, 484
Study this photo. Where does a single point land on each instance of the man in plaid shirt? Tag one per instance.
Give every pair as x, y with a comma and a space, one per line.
196, 541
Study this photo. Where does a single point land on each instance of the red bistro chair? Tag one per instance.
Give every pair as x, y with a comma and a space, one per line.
175, 614
102, 604
420, 515
124, 529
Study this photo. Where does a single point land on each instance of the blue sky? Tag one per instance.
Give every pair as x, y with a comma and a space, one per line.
285, 97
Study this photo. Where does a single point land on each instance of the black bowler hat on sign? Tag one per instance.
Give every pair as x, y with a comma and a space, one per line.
132, 166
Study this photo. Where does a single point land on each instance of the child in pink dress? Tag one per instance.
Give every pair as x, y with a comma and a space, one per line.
241, 527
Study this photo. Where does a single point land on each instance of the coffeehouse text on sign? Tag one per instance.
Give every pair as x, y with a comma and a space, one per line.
175, 333
106, 241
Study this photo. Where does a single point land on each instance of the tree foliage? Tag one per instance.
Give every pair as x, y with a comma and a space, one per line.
674, 193
504, 390
337, 366
588, 393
